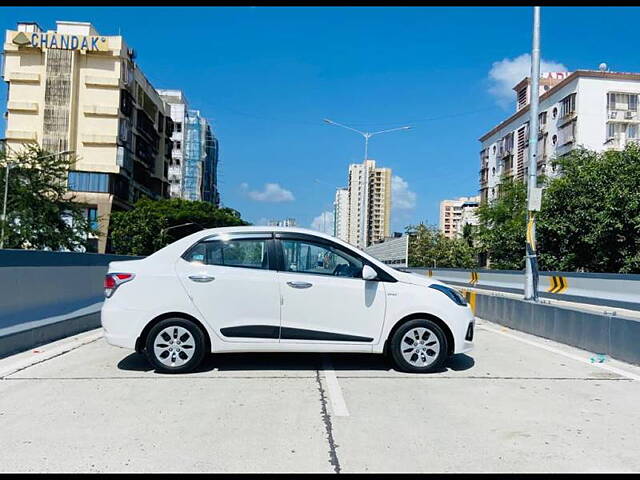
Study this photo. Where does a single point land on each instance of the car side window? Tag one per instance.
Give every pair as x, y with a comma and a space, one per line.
246, 253
319, 259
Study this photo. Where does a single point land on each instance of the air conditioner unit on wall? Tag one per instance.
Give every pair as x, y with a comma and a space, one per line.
613, 114
629, 114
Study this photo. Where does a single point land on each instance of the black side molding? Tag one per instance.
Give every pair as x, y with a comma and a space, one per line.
287, 333
252, 331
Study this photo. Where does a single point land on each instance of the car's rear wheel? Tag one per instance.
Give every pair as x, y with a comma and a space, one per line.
175, 345
419, 346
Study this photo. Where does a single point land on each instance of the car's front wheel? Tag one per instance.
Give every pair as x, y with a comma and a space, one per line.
175, 345
419, 346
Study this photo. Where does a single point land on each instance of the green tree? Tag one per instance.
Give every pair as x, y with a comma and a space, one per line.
590, 218
429, 246
41, 212
147, 227
500, 233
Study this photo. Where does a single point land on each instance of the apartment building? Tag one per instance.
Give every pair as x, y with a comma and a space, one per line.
341, 214
369, 204
178, 106
594, 109
454, 214
72, 89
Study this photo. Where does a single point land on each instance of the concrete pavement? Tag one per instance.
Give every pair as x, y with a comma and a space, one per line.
516, 404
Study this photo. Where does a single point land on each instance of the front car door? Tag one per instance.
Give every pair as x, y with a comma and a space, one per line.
231, 282
324, 298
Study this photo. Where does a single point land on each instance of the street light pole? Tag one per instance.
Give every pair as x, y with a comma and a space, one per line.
533, 193
6, 189
365, 174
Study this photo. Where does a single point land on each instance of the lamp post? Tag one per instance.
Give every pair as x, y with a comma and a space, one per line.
533, 192
8, 166
365, 174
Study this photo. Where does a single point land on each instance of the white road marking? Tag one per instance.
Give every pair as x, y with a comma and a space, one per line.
46, 354
338, 405
609, 368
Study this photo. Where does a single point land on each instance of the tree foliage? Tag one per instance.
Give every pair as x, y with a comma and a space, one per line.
590, 218
148, 226
500, 233
428, 247
41, 212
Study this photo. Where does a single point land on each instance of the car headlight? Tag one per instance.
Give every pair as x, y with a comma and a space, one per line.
452, 293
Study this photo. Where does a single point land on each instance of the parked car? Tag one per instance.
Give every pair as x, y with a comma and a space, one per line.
258, 289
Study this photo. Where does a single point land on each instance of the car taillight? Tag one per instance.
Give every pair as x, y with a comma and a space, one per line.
113, 280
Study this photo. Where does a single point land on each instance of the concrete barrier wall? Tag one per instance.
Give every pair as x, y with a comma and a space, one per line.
45, 296
610, 289
613, 335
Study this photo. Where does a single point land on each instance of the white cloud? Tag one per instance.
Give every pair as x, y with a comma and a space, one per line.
272, 192
323, 223
505, 74
401, 197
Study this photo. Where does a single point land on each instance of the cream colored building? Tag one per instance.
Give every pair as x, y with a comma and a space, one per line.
74, 89
455, 213
375, 194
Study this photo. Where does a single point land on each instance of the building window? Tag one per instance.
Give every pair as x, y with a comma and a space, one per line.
92, 217
177, 127
568, 105
616, 130
522, 97
542, 119
554, 114
622, 101
89, 182
177, 145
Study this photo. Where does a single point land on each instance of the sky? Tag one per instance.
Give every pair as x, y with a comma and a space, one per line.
266, 77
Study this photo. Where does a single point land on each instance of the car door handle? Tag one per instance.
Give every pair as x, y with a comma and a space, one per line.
299, 284
201, 278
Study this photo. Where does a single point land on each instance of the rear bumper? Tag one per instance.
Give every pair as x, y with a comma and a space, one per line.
122, 327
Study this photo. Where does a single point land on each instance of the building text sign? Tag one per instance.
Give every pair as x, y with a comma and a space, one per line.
61, 41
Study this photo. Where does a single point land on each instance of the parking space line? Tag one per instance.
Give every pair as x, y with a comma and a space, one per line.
338, 405
615, 370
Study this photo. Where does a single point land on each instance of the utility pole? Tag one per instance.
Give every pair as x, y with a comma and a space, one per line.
533, 192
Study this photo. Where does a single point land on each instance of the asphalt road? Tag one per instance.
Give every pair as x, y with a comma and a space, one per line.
516, 404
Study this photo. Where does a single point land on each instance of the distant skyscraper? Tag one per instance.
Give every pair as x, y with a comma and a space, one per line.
341, 214
377, 204
287, 222
194, 154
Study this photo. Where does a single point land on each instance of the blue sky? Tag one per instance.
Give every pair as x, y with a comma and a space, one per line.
266, 77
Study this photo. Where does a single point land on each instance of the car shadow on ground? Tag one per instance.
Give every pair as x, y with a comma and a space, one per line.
294, 362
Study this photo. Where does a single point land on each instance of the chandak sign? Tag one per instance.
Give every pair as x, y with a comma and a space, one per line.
61, 41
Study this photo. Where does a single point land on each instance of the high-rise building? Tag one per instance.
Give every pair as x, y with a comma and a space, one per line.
455, 213
341, 214
194, 155
72, 89
369, 204
594, 109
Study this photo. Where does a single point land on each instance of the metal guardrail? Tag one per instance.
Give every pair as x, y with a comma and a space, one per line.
610, 289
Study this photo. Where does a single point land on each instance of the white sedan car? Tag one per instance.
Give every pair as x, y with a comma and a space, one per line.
273, 289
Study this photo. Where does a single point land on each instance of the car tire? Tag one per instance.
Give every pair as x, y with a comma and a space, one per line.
175, 345
418, 357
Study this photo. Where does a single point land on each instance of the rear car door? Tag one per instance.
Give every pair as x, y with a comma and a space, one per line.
230, 280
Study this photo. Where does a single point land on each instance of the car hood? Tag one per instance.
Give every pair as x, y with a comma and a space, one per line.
416, 279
